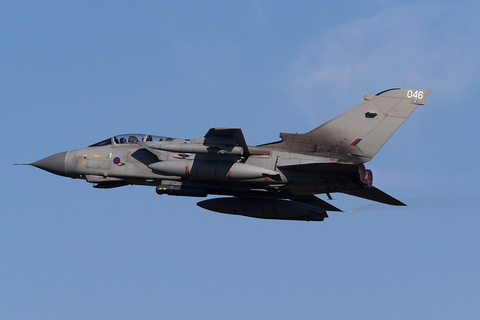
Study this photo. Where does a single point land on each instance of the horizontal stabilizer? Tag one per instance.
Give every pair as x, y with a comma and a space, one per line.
375, 194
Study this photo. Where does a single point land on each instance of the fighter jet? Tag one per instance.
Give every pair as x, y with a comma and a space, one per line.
277, 180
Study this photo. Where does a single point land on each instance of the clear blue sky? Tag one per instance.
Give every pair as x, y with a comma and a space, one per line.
74, 73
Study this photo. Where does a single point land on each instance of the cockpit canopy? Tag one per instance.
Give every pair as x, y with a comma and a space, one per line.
130, 138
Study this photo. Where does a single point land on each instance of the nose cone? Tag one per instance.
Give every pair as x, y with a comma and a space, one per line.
54, 164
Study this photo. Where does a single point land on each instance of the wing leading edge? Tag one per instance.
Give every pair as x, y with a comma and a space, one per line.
226, 136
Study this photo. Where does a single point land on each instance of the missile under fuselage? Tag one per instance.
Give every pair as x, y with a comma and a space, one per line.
265, 208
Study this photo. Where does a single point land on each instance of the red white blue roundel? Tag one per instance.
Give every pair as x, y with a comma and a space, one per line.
116, 160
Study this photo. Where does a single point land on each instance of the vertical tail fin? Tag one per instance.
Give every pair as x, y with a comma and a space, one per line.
361, 131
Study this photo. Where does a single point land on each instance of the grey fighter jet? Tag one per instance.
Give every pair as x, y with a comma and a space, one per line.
276, 180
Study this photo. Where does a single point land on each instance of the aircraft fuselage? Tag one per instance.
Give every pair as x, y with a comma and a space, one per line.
276, 180
119, 164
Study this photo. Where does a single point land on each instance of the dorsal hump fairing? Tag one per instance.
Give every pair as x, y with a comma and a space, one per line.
359, 133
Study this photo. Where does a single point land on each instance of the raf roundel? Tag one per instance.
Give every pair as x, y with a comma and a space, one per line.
116, 160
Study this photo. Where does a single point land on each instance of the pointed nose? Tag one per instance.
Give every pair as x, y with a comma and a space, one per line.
54, 164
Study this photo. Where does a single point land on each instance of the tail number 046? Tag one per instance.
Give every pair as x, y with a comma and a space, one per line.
415, 94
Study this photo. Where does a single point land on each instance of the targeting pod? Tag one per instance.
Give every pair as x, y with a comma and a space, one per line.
179, 190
